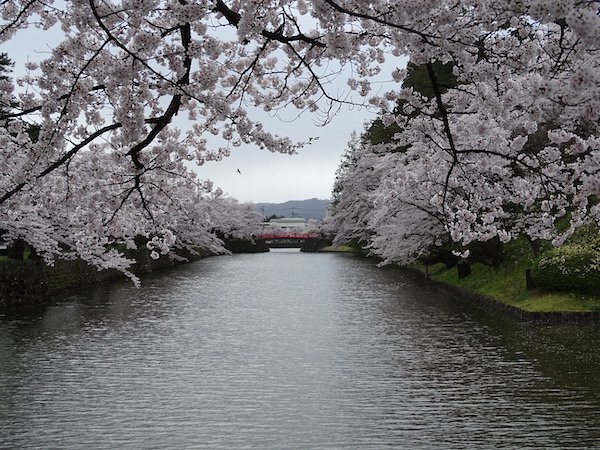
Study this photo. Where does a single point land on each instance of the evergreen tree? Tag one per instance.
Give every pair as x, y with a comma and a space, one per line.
5, 69
418, 78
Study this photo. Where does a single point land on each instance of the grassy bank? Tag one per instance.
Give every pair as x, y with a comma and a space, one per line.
506, 283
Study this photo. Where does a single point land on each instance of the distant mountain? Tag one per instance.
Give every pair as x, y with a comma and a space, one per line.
313, 208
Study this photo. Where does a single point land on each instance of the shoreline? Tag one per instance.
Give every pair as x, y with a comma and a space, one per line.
491, 303
26, 284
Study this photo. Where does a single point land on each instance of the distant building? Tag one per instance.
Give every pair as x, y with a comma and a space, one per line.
288, 222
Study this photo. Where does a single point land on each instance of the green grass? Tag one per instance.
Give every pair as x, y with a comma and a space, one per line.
506, 283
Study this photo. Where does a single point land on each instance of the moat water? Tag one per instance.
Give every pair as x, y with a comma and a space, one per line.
291, 351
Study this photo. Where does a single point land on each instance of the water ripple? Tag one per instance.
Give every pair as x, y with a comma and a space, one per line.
287, 350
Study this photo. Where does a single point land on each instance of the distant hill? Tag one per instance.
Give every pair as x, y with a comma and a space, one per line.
313, 208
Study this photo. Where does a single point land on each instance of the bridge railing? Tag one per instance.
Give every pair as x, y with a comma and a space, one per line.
291, 235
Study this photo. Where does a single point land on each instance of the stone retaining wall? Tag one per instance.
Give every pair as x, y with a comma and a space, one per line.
315, 244
28, 283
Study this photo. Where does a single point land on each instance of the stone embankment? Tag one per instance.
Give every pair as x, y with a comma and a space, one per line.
491, 304
31, 282
315, 244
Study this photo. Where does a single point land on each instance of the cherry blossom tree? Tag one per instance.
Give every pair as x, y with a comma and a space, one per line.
511, 150
358, 176
126, 102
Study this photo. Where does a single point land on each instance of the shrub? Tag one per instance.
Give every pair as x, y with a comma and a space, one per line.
572, 267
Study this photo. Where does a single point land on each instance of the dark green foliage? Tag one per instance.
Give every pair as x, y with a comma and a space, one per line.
378, 133
16, 250
21, 282
572, 267
586, 235
489, 252
418, 78
5, 70
5, 66
440, 255
33, 131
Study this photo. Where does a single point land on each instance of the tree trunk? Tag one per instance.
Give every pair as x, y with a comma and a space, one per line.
535, 246
529, 283
464, 270
17, 249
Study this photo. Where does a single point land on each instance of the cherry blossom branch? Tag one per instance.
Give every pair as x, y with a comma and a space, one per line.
31, 110
62, 160
234, 18
427, 38
160, 122
16, 20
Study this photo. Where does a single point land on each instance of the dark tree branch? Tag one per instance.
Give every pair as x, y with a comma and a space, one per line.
444, 116
160, 122
33, 109
234, 18
427, 38
62, 160
18, 18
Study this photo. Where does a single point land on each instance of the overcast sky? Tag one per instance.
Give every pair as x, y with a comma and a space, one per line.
272, 177
264, 177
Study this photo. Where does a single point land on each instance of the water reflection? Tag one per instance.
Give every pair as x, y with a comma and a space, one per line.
291, 350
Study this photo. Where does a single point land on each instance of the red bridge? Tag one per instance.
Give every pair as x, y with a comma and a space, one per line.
286, 235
